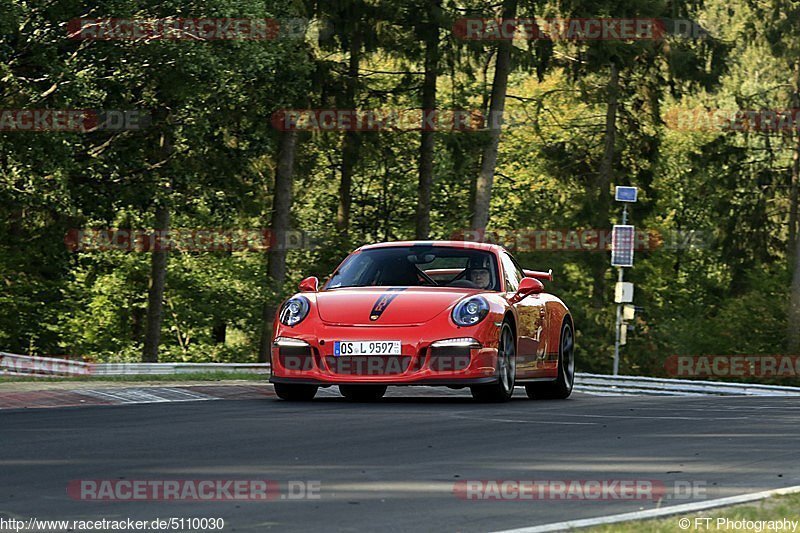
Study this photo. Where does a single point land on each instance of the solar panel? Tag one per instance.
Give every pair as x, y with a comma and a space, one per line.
622, 242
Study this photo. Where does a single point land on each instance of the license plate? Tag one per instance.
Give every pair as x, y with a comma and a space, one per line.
341, 348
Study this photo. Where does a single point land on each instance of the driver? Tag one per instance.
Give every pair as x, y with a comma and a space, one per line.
480, 277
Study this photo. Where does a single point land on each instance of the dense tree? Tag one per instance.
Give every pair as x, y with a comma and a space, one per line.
578, 116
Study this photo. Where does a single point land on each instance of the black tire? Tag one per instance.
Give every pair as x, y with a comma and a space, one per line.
294, 392
363, 393
561, 387
503, 389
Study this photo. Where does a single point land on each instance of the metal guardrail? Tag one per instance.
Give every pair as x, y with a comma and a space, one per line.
615, 385
24, 365
598, 384
126, 369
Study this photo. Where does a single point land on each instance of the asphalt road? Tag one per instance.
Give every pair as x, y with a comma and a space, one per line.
392, 466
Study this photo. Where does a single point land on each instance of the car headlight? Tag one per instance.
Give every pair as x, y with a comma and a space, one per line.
470, 311
294, 310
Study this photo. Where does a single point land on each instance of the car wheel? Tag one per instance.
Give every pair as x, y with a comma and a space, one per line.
561, 388
503, 390
294, 392
362, 393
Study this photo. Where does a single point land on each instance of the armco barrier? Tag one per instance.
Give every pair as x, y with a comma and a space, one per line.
602, 384
13, 364
596, 384
24, 365
133, 369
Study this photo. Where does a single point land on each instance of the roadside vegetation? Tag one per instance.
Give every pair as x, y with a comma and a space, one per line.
720, 203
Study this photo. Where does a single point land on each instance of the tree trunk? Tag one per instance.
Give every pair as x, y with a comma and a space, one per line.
280, 225
605, 175
219, 332
350, 145
793, 337
795, 175
158, 277
137, 318
483, 185
428, 140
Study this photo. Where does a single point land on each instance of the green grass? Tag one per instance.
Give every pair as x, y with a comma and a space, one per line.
197, 376
776, 508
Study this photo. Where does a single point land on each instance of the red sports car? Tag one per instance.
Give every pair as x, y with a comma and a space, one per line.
458, 314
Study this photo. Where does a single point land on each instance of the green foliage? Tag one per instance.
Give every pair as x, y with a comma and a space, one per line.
213, 101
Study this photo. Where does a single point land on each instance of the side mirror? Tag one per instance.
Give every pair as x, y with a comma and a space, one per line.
527, 287
310, 284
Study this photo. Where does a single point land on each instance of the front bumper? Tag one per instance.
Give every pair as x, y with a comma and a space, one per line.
419, 364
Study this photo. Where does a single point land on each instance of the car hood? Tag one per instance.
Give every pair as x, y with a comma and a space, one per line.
386, 306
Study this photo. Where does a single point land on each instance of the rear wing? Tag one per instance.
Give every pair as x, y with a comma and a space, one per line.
538, 274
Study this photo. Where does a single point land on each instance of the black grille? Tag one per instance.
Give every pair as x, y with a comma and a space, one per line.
296, 357
449, 358
368, 365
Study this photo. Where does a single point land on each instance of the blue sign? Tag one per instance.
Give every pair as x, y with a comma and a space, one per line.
625, 194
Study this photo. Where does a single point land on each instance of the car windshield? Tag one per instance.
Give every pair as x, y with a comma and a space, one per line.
423, 266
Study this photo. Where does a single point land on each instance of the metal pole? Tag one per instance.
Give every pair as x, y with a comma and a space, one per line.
620, 278
617, 329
